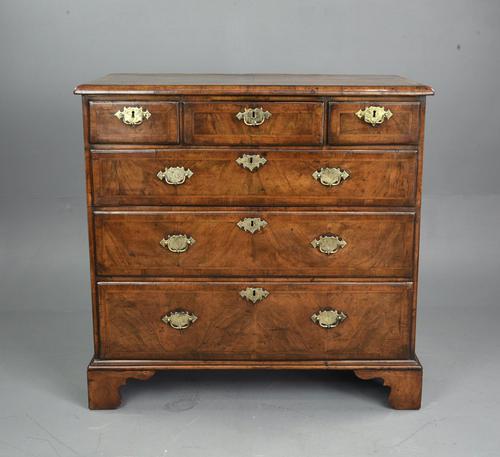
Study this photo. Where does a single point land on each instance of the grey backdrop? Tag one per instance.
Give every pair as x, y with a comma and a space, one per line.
48, 47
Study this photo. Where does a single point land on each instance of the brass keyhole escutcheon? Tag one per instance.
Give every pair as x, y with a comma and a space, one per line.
253, 116
254, 294
251, 162
133, 115
251, 224
374, 115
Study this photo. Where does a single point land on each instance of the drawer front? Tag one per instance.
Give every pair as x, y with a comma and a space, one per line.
399, 122
283, 243
288, 123
159, 122
215, 177
367, 321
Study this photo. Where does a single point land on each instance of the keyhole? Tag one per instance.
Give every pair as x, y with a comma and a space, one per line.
133, 113
373, 115
251, 159
251, 223
254, 292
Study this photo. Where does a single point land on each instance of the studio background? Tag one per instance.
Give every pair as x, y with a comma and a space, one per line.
47, 48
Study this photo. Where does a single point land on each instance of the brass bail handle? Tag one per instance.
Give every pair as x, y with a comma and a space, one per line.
179, 320
330, 177
329, 244
328, 318
177, 243
174, 175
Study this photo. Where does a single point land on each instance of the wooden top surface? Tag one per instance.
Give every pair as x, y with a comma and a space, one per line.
252, 84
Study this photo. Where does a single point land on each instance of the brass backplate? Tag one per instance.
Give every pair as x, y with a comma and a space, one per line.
251, 162
133, 115
177, 243
328, 318
253, 116
330, 176
374, 115
251, 224
175, 175
254, 294
179, 320
329, 244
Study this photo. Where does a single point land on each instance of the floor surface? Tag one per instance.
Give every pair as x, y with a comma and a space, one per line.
45, 344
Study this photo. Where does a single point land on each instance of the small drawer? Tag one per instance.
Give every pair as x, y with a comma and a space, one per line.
374, 122
250, 177
254, 243
212, 320
134, 122
253, 123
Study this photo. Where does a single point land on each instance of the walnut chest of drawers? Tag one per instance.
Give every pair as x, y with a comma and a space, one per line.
254, 221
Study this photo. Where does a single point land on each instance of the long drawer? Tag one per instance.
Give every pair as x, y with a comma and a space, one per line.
212, 320
249, 177
241, 242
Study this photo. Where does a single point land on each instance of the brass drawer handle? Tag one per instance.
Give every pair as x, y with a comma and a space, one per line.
177, 243
175, 175
328, 318
254, 294
133, 115
179, 320
374, 115
251, 224
329, 244
253, 116
251, 162
330, 176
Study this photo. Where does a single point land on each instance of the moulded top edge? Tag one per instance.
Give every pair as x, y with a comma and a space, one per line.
258, 84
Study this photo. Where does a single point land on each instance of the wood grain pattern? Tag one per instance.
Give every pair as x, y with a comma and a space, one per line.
373, 279
404, 378
278, 327
377, 177
189, 84
346, 128
104, 385
291, 123
405, 385
161, 128
378, 244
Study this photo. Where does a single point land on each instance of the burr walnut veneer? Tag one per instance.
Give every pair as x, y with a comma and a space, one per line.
254, 222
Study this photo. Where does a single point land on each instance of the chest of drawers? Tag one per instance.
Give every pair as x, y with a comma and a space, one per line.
254, 221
